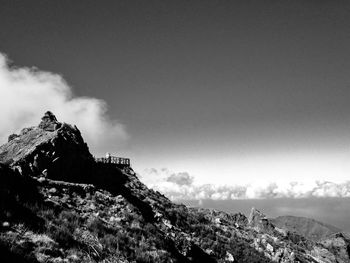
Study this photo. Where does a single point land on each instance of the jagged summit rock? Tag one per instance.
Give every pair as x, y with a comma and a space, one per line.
255, 216
49, 122
52, 149
259, 221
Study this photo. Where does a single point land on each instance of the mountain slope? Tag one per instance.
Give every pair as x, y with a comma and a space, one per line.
58, 205
307, 227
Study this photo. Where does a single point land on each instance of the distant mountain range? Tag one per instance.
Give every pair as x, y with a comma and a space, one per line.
307, 227
59, 204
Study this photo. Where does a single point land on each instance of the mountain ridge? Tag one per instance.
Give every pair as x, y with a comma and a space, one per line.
308, 227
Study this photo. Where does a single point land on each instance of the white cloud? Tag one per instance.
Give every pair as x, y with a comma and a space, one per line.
27, 93
159, 180
182, 178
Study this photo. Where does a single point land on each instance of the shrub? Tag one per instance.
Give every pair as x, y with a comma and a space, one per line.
62, 235
97, 226
63, 227
110, 242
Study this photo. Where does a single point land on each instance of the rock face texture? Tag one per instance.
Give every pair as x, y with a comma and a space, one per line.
49, 122
338, 244
53, 149
58, 205
259, 221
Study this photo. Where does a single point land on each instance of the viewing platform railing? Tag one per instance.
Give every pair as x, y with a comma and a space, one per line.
119, 161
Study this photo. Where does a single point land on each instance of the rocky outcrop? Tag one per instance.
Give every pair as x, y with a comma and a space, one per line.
259, 221
12, 137
339, 245
49, 122
54, 150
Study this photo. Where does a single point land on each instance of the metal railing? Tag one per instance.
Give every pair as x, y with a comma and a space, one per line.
114, 160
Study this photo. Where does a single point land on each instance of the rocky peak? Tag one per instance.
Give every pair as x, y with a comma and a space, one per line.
255, 216
52, 149
259, 221
49, 122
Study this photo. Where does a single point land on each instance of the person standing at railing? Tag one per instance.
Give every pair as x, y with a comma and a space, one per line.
108, 157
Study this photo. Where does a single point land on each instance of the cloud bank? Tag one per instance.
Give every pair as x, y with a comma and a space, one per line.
27, 93
181, 186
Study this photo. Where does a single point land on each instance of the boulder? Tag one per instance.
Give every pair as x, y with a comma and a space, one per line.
12, 137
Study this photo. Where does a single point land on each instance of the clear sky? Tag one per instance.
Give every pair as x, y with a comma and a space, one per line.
226, 92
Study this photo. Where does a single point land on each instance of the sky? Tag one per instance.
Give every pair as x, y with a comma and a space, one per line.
244, 99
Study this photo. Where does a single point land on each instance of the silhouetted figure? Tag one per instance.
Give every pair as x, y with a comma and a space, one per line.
108, 157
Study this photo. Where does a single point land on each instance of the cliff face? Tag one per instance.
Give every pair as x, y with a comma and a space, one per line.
58, 205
